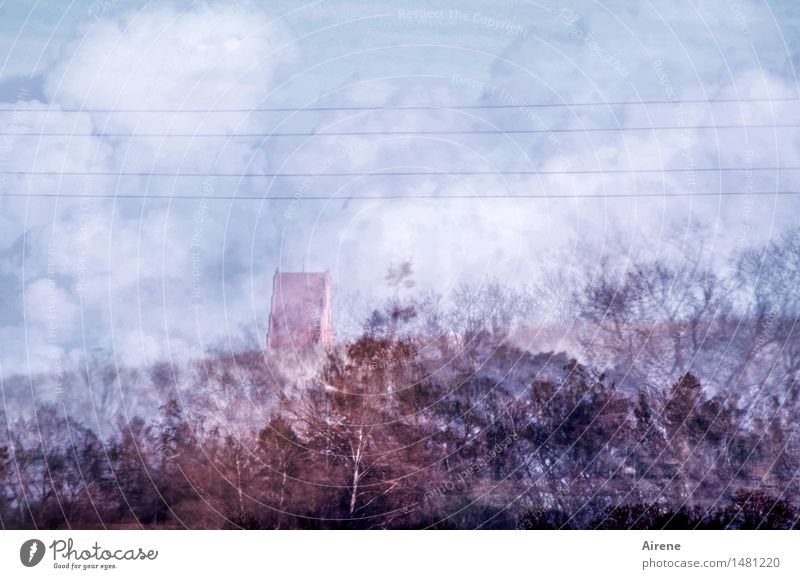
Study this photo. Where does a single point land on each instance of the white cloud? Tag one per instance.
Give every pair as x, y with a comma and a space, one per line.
130, 263
50, 308
206, 56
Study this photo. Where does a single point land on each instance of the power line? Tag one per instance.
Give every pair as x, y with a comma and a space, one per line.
406, 133
300, 198
517, 106
379, 173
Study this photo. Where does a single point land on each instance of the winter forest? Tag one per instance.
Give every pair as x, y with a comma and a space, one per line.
644, 395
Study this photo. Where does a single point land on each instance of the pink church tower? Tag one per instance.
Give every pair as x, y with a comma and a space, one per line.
301, 316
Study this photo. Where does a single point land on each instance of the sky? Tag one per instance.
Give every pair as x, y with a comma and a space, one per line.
116, 262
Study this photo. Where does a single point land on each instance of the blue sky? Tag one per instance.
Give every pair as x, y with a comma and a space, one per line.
153, 278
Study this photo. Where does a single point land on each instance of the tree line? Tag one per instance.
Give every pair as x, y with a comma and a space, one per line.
656, 394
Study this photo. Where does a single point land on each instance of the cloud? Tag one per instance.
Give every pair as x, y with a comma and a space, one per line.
133, 265
50, 308
202, 57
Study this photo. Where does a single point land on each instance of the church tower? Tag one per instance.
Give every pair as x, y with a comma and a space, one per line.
301, 316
